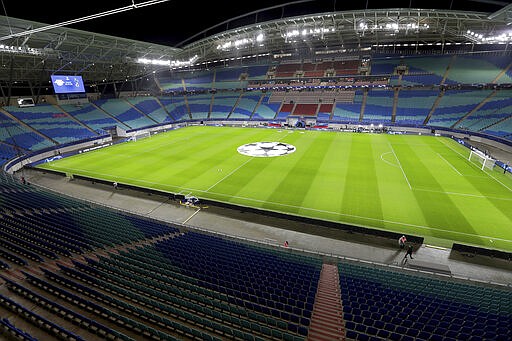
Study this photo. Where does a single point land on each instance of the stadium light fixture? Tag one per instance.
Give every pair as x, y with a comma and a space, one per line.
20, 50
86, 18
242, 42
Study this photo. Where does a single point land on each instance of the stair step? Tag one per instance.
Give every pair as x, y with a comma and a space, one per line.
322, 334
327, 318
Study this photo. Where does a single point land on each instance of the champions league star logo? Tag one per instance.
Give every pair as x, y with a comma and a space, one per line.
266, 149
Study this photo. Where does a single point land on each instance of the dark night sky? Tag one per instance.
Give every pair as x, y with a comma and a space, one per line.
171, 22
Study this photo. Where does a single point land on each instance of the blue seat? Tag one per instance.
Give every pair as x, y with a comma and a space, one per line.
350, 334
350, 325
383, 333
303, 331
371, 330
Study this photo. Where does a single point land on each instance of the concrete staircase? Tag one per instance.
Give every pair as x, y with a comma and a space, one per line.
326, 320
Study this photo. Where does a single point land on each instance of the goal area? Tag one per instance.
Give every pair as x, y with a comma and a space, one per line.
483, 160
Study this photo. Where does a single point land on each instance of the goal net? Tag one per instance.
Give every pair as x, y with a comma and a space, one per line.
483, 160
140, 136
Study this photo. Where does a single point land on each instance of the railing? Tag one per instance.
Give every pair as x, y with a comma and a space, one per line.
272, 244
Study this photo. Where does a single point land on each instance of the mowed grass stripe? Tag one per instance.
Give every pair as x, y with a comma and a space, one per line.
361, 196
397, 199
491, 196
328, 185
438, 208
302, 171
340, 186
296, 177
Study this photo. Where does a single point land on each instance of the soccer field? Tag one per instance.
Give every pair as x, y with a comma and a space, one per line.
419, 185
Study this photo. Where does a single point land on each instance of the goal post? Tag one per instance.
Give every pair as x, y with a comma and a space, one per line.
483, 160
140, 136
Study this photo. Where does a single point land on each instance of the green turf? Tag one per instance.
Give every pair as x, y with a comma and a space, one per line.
420, 185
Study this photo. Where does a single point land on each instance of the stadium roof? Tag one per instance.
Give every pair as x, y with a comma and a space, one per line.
246, 33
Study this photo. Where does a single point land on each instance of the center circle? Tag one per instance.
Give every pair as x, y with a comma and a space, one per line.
266, 149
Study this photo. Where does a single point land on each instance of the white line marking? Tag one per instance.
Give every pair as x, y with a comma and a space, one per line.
399, 164
462, 194
389, 163
192, 216
229, 174
449, 164
312, 209
471, 163
360, 217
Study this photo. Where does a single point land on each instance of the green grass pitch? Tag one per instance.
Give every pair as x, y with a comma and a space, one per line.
420, 185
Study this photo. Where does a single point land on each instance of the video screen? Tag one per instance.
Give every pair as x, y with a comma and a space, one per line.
67, 84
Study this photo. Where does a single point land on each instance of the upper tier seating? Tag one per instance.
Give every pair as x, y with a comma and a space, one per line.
125, 112
458, 69
479, 69
93, 117
151, 107
199, 81
229, 79
346, 67
176, 107
168, 84
256, 72
52, 122
287, 70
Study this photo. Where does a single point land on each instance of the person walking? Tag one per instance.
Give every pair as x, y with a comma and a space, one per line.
409, 252
401, 242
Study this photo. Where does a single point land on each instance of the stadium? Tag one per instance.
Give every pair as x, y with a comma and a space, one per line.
299, 170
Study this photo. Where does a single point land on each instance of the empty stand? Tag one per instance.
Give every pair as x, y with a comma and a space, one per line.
93, 117
152, 108
52, 122
455, 104
399, 306
327, 321
125, 112
414, 105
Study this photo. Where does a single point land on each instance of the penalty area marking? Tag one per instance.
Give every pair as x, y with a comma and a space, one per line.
449, 164
490, 175
400, 165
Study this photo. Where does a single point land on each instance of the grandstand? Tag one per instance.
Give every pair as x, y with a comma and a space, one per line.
100, 239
